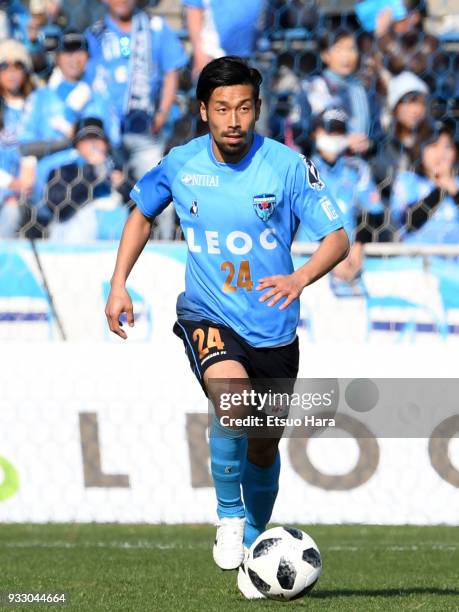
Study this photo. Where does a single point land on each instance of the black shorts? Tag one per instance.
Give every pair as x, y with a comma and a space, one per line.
207, 343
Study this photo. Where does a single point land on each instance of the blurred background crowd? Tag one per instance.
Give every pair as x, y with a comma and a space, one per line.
93, 94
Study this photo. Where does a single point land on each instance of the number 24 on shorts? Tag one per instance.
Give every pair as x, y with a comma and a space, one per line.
214, 340
244, 278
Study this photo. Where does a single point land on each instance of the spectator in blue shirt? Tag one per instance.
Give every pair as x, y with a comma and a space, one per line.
53, 110
349, 180
219, 27
15, 86
425, 202
136, 58
339, 84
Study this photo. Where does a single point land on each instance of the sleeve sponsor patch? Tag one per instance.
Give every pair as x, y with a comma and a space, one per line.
328, 209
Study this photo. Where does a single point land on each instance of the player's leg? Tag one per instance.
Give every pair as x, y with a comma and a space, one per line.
260, 485
277, 368
228, 445
260, 482
215, 352
218, 360
228, 449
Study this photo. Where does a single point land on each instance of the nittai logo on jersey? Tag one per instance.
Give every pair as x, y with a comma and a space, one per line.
200, 180
314, 180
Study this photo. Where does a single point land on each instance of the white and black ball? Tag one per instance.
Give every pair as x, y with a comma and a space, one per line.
283, 563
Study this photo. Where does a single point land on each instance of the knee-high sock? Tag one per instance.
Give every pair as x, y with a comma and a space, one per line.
259, 486
228, 450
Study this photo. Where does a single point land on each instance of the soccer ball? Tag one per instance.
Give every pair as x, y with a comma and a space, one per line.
283, 563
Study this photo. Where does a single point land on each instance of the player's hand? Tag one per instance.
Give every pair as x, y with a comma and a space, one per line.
119, 301
282, 286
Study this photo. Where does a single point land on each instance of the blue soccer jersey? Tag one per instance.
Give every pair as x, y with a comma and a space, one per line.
239, 221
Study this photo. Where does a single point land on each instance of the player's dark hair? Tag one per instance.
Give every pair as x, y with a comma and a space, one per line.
226, 71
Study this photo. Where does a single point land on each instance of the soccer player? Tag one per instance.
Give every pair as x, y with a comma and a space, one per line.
239, 197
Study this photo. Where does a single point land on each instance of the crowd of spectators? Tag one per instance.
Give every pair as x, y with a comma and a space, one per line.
371, 94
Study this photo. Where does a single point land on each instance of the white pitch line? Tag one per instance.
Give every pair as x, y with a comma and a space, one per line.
414, 547
116, 545
202, 546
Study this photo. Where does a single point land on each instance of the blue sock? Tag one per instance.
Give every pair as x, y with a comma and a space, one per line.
260, 486
228, 450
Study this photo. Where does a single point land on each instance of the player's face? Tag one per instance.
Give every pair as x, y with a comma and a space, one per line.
231, 114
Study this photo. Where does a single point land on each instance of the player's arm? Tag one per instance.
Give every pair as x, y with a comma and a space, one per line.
151, 195
333, 249
313, 206
133, 240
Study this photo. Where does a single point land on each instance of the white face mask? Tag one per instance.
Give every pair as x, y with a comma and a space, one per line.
333, 145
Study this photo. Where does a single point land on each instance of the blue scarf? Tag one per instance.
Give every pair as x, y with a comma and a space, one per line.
138, 105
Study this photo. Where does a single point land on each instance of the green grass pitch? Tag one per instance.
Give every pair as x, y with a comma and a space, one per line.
170, 569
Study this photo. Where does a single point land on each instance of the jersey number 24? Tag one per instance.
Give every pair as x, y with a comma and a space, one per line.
244, 279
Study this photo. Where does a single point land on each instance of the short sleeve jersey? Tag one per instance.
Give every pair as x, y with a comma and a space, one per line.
239, 221
350, 182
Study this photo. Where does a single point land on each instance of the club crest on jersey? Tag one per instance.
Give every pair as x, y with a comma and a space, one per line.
264, 205
194, 208
314, 180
